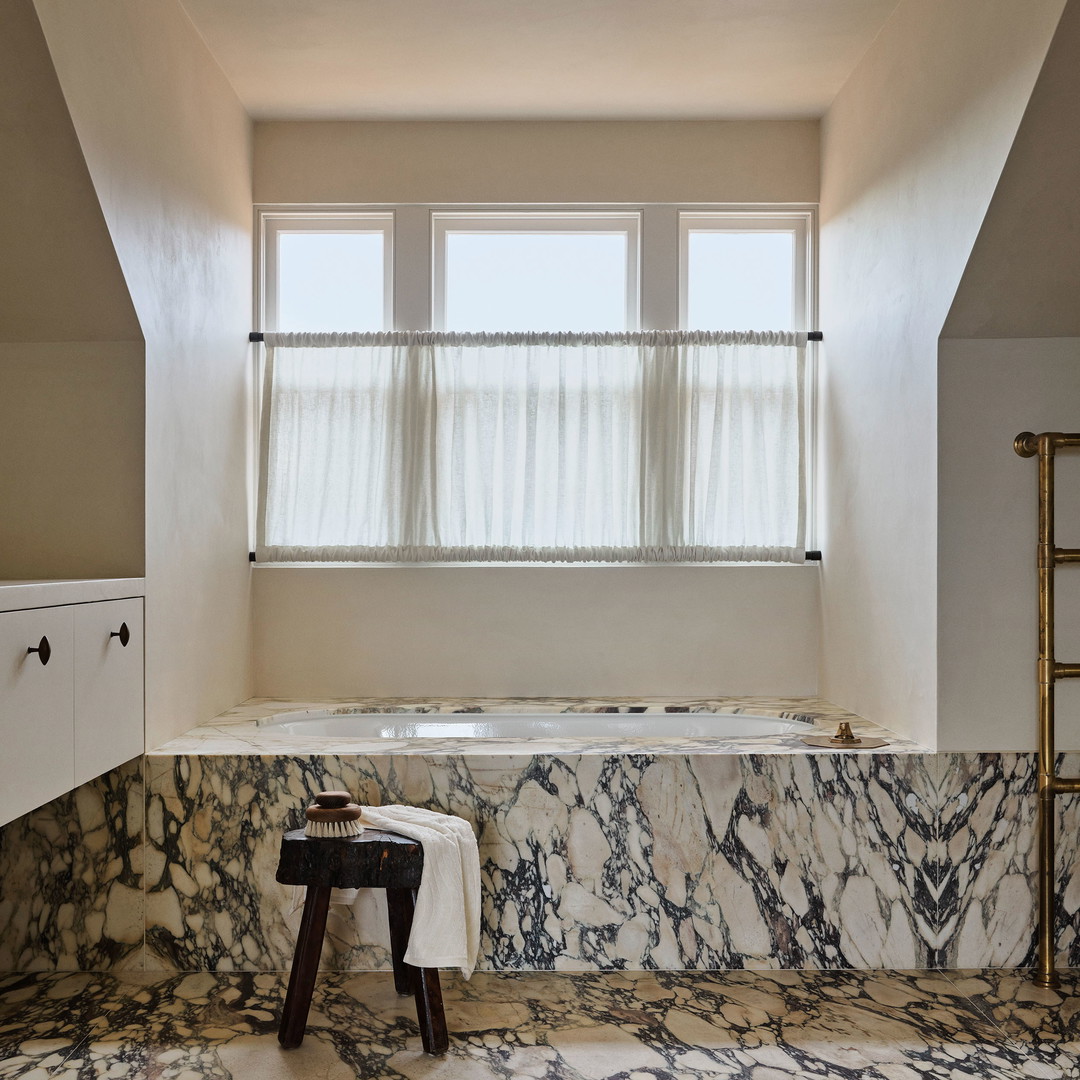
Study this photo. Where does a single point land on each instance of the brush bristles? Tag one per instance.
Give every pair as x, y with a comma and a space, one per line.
330, 830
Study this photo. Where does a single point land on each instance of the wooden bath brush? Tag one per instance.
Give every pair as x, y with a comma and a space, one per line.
333, 815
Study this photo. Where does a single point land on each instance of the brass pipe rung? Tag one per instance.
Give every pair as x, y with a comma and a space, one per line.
1067, 671
1065, 785
1067, 555
1026, 444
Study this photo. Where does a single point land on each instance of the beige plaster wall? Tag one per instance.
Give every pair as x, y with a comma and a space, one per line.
59, 276
1010, 362
169, 149
537, 161
71, 460
1023, 278
71, 354
536, 630
911, 151
992, 389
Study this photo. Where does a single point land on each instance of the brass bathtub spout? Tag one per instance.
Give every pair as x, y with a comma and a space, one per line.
1048, 671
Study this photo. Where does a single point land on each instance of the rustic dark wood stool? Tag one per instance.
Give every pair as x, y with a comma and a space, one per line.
372, 860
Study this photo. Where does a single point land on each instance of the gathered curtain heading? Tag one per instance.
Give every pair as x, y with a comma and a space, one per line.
657, 446
490, 339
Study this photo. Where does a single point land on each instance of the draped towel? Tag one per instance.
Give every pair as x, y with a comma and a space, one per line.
657, 446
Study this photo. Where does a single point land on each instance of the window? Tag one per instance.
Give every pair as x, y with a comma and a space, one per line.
742, 272
535, 271
327, 273
423, 268
520, 411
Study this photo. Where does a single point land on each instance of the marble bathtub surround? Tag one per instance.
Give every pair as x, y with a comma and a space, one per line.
631, 1026
238, 730
678, 855
596, 861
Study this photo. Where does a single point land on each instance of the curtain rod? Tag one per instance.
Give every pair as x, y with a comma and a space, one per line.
812, 335
811, 556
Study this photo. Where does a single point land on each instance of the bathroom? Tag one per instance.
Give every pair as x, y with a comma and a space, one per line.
940, 162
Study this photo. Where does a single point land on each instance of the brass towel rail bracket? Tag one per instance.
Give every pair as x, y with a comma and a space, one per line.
1048, 671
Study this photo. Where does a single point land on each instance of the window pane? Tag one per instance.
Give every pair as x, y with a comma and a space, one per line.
330, 281
740, 280
535, 281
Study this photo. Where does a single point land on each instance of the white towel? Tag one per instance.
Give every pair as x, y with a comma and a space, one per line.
446, 924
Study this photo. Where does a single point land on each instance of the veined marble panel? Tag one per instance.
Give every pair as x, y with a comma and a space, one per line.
983, 869
71, 879
627, 861
584, 1026
738, 1025
1068, 867
590, 860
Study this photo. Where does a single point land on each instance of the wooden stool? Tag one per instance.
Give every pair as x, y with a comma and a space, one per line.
372, 860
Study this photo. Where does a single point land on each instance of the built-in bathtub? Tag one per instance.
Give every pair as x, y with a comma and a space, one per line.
612, 834
600, 848
337, 723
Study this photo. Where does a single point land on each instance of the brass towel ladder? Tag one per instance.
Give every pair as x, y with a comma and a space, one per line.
1051, 785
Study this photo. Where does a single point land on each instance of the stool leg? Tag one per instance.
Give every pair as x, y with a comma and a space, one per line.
399, 907
305, 966
423, 983
429, 1011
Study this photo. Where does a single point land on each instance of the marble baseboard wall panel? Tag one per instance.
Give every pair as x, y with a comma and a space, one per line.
597, 861
71, 893
589, 861
1068, 866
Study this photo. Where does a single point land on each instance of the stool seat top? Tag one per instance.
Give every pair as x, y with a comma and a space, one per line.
372, 860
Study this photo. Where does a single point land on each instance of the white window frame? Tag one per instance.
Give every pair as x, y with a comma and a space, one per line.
409, 251
274, 223
797, 224
801, 221
623, 223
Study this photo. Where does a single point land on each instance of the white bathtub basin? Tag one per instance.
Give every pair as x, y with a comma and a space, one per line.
531, 725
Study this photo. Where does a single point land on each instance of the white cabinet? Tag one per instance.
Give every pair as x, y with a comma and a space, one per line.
71, 698
108, 686
37, 751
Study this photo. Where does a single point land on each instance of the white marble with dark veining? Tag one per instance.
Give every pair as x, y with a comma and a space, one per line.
628, 861
598, 1026
71, 878
238, 730
669, 855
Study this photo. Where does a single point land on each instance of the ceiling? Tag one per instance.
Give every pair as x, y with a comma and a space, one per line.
537, 59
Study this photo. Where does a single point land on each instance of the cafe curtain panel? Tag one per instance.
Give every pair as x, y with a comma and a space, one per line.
455, 447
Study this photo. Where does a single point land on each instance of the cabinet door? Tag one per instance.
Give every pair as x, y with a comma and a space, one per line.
37, 760
108, 686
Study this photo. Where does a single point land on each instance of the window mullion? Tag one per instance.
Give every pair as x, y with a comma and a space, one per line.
412, 268
659, 268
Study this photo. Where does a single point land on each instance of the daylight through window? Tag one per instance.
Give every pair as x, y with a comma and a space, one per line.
532, 418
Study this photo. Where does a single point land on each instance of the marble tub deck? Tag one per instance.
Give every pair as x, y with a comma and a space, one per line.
781, 1025
243, 729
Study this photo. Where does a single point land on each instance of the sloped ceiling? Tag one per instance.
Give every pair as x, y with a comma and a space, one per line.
1023, 276
60, 279
523, 59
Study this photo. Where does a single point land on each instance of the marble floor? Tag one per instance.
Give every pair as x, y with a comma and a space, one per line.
774, 1025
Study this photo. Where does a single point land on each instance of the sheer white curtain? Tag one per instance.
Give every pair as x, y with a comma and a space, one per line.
451, 447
